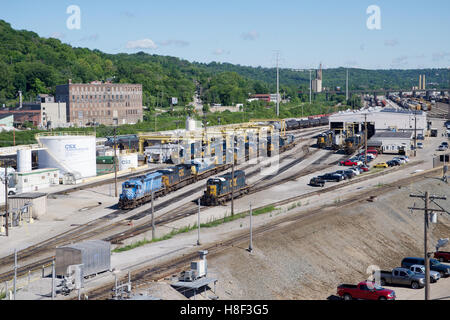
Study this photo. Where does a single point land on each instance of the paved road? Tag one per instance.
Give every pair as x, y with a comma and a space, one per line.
438, 291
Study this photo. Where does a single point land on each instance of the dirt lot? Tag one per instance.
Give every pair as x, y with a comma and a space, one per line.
308, 259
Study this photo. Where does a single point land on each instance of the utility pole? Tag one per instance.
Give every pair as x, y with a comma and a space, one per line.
232, 184
310, 88
366, 133
250, 248
53, 279
198, 223
427, 198
415, 133
6, 199
153, 217
115, 162
278, 87
346, 87
15, 273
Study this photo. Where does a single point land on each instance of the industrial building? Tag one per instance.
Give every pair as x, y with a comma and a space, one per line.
43, 112
35, 180
6, 121
101, 103
379, 119
391, 142
316, 84
37, 203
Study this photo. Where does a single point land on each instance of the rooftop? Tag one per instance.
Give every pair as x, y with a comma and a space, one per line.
30, 195
393, 134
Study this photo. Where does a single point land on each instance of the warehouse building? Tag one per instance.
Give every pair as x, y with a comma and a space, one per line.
392, 142
379, 120
101, 103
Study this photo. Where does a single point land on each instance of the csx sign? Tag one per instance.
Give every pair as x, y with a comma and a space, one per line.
70, 147
125, 162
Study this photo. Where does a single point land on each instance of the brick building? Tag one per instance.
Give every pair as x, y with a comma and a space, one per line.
103, 103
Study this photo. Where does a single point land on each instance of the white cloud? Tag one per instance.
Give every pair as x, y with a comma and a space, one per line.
252, 35
57, 35
141, 44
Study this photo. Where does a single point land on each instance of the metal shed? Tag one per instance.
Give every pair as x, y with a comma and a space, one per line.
94, 255
37, 200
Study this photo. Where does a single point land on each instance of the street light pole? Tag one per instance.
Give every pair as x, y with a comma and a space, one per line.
115, 162
198, 223
232, 186
6, 199
250, 248
427, 199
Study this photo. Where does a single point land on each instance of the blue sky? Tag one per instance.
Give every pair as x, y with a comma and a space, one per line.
413, 34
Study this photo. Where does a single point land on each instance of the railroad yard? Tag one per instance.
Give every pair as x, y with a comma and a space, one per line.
306, 225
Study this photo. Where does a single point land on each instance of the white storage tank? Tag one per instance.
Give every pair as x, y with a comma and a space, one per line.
24, 160
70, 154
190, 124
127, 161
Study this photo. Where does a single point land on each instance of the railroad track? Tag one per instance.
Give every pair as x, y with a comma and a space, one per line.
97, 227
157, 272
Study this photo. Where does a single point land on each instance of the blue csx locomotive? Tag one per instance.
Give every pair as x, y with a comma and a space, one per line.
138, 190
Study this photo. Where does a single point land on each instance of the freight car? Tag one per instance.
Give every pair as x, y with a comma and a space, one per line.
124, 142
353, 143
138, 191
325, 139
292, 125
218, 190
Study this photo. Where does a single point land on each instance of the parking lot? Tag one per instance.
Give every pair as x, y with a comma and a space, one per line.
438, 291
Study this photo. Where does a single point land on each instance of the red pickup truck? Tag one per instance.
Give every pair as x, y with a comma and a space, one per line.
442, 256
366, 291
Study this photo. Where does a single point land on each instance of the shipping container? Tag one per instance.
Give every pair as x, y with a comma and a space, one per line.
94, 255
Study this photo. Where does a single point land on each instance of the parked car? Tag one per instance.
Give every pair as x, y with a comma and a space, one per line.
317, 182
419, 145
442, 256
435, 265
420, 269
406, 158
351, 162
373, 152
332, 177
445, 144
381, 165
401, 276
356, 171
420, 137
401, 160
11, 191
348, 174
442, 148
366, 291
364, 168
392, 163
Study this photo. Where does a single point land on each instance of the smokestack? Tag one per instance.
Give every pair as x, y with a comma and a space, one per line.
420, 82
424, 86
70, 81
20, 99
